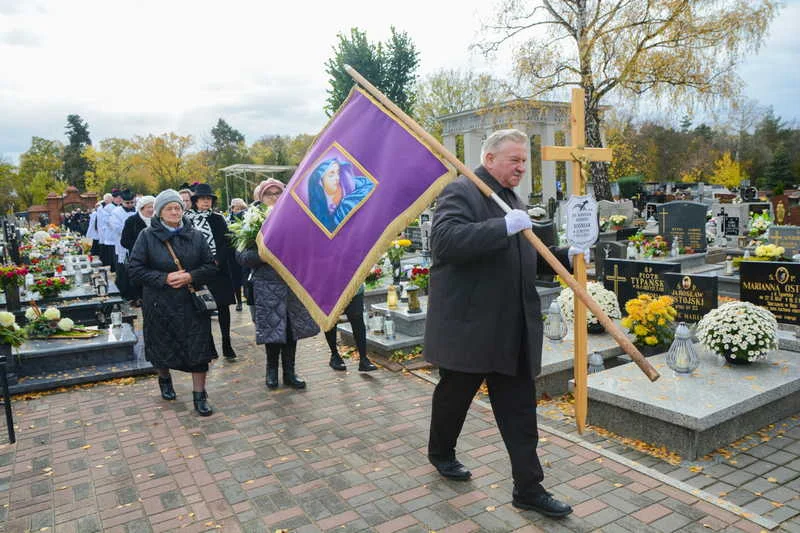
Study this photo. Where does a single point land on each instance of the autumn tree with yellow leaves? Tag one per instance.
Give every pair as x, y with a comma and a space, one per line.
727, 172
680, 51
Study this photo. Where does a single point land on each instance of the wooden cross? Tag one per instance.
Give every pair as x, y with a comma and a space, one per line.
616, 278
580, 156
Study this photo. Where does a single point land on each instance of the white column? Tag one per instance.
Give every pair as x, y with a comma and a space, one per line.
547, 133
449, 142
525, 186
472, 148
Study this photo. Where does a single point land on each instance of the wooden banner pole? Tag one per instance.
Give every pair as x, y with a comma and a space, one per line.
612, 328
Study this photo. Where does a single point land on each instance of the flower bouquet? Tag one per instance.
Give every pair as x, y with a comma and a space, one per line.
604, 224
397, 249
605, 298
50, 287
759, 224
12, 276
48, 324
10, 332
373, 279
650, 320
741, 332
655, 248
420, 277
617, 221
770, 252
245, 231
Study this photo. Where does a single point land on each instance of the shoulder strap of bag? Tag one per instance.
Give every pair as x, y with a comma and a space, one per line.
177, 262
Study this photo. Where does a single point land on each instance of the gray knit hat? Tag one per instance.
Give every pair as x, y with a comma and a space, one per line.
164, 197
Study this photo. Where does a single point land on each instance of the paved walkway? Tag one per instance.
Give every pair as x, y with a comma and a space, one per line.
347, 454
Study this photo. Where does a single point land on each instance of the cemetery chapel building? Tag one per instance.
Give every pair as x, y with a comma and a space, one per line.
545, 124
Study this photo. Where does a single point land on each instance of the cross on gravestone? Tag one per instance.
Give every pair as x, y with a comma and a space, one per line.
616, 279
685, 221
786, 236
607, 250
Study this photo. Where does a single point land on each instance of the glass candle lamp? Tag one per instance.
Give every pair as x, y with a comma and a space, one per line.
391, 297
413, 299
555, 327
682, 357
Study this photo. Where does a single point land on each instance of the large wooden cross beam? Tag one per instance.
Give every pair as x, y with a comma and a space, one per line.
580, 156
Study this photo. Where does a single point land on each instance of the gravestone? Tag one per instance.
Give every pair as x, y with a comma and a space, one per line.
773, 285
685, 221
650, 211
626, 233
749, 194
758, 207
732, 226
786, 210
629, 278
624, 207
786, 236
607, 250
693, 296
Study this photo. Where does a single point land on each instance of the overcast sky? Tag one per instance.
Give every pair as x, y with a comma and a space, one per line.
155, 66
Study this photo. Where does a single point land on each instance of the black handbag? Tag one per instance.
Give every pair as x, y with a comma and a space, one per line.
202, 299
249, 290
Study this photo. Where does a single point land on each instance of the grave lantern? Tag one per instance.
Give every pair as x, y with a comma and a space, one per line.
555, 327
413, 299
391, 297
682, 357
596, 363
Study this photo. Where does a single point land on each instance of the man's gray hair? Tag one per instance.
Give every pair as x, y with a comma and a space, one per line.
494, 140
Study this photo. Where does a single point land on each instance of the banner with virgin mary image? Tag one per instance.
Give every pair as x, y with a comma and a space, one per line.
364, 179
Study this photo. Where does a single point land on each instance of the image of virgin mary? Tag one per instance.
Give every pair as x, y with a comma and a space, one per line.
334, 189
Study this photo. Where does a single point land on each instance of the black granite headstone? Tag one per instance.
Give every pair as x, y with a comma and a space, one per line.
757, 208
607, 250
694, 296
626, 233
731, 226
786, 236
685, 221
629, 278
774, 285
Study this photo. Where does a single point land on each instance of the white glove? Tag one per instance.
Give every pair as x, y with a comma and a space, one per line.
574, 250
516, 221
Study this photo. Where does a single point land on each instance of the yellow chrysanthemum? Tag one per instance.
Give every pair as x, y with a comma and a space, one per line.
651, 340
640, 330
626, 322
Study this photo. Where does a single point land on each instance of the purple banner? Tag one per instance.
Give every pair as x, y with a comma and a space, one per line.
362, 181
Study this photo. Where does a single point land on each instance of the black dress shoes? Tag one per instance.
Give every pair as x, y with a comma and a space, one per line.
452, 469
544, 503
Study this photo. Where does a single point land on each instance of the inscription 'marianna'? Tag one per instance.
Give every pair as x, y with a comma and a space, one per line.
761, 286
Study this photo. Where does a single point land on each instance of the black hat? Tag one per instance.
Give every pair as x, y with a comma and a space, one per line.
126, 195
203, 189
115, 192
193, 186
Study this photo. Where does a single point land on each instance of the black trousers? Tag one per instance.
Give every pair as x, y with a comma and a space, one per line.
355, 315
514, 406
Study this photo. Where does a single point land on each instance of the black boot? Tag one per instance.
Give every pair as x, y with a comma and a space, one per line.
365, 365
336, 362
289, 377
167, 391
201, 403
227, 349
272, 367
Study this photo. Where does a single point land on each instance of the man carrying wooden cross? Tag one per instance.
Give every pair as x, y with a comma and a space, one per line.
484, 318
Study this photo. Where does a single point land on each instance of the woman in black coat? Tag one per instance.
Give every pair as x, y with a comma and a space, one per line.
130, 231
215, 230
176, 336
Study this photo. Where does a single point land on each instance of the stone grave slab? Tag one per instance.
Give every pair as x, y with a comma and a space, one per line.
46, 364
786, 236
627, 278
774, 285
693, 296
81, 292
694, 415
685, 221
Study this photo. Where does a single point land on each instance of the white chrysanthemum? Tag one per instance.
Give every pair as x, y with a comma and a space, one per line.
51, 313
6, 319
30, 314
65, 324
40, 236
740, 329
605, 298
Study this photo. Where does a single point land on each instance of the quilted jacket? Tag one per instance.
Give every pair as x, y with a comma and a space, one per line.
275, 304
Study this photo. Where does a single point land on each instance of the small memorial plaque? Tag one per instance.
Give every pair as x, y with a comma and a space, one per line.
786, 236
732, 226
774, 285
582, 225
694, 296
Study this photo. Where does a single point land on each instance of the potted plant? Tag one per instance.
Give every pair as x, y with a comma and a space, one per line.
617, 221
11, 335
420, 277
650, 321
604, 297
741, 332
11, 278
758, 224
